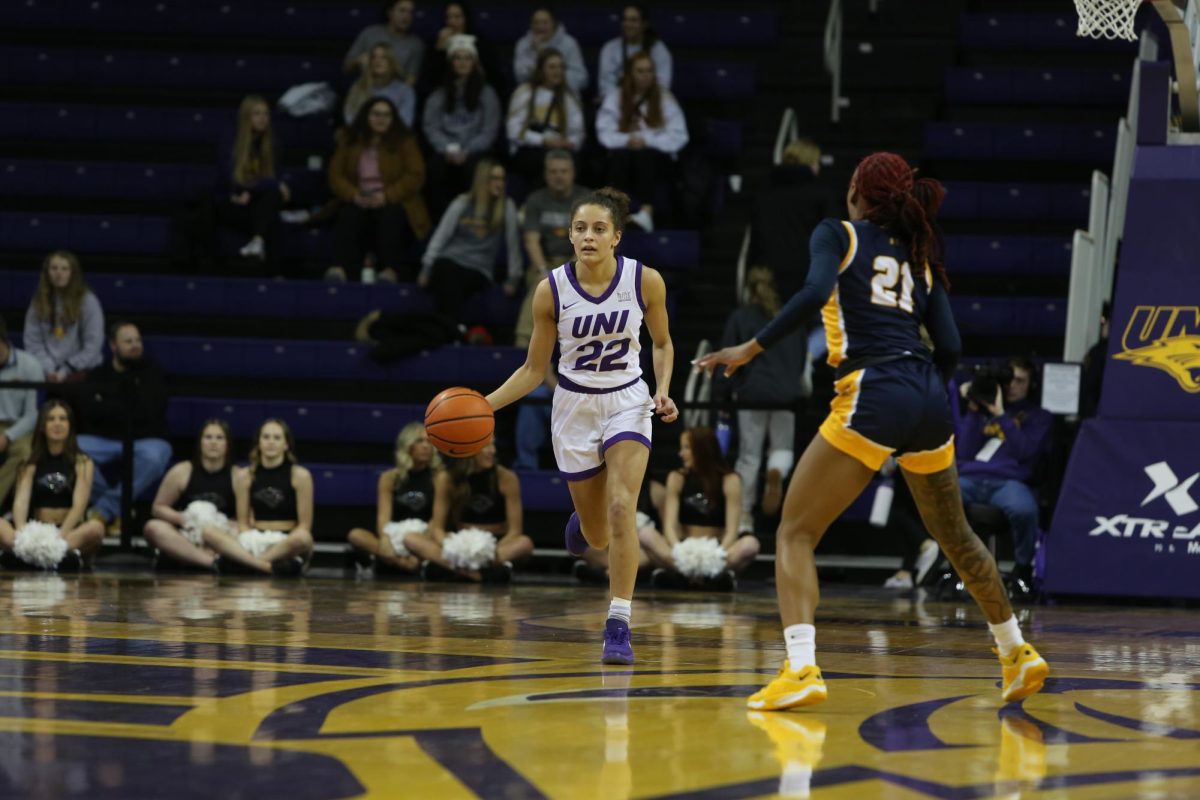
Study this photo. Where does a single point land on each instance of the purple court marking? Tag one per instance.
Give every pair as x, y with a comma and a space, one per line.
906, 728
612, 287
274, 654
467, 756
1137, 724
114, 768
940, 791
626, 436
1051, 734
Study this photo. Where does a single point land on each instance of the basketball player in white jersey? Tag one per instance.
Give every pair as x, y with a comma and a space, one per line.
593, 307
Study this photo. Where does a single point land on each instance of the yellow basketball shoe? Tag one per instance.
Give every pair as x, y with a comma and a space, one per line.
1024, 672
790, 689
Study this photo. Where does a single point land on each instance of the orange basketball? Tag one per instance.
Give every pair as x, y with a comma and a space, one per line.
459, 422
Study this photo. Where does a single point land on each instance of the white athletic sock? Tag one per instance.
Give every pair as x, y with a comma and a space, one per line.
796, 780
801, 643
1008, 635
621, 609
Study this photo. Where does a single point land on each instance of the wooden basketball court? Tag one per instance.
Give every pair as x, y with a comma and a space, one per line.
131, 686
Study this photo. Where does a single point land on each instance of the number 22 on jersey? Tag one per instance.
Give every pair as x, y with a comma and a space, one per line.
889, 272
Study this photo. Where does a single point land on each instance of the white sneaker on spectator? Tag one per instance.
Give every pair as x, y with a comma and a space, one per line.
899, 581
254, 249
643, 220
368, 275
926, 559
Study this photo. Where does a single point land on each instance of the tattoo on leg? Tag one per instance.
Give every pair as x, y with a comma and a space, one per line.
940, 503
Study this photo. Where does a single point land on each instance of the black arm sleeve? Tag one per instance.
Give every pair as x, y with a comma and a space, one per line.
947, 344
828, 244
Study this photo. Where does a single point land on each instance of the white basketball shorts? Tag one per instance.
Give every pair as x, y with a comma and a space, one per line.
583, 425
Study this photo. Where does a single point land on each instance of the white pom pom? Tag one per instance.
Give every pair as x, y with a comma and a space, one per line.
644, 521
699, 557
256, 542
40, 544
396, 531
201, 514
470, 548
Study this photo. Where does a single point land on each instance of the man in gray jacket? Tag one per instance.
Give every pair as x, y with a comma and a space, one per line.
18, 409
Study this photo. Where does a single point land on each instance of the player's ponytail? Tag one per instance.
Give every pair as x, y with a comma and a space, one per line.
903, 206
614, 200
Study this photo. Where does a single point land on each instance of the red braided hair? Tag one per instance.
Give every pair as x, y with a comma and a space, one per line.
903, 206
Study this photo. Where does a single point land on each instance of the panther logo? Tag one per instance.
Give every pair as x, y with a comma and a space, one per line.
1166, 338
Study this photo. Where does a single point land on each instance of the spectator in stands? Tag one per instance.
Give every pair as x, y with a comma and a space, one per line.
474, 492
18, 409
274, 509
405, 492
546, 219
409, 49
377, 172
786, 213
458, 22
636, 37
53, 488
775, 382
250, 189
643, 128
206, 477
546, 33
461, 120
64, 326
543, 114
1000, 443
130, 391
702, 499
461, 257
381, 78
1092, 379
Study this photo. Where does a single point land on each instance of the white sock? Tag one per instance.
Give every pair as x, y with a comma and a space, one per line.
796, 780
1008, 635
801, 643
621, 609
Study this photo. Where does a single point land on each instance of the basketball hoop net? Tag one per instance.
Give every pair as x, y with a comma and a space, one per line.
1108, 19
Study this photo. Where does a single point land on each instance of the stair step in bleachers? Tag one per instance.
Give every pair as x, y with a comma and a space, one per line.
997, 141
1016, 201
158, 125
1055, 86
1008, 255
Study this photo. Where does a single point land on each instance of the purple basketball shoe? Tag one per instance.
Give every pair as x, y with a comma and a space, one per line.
617, 649
573, 534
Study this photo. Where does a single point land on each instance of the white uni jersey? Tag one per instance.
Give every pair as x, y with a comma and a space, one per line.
598, 337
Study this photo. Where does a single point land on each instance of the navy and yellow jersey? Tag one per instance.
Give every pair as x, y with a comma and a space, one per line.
872, 299
890, 399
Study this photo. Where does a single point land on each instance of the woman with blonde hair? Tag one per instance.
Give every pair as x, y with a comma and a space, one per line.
643, 128
461, 257
377, 172
274, 497
250, 188
771, 380
404, 504
543, 114
48, 529
381, 78
64, 326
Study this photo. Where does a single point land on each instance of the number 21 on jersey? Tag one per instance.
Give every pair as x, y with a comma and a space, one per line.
889, 272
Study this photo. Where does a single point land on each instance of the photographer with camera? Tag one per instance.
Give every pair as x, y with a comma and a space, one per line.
1000, 441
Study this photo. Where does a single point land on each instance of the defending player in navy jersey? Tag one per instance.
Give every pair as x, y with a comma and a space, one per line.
594, 307
877, 280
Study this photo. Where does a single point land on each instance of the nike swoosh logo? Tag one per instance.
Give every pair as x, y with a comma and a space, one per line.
569, 305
